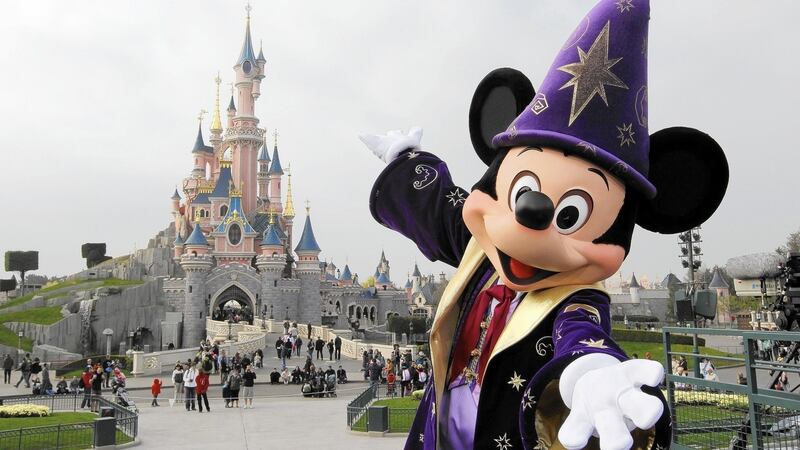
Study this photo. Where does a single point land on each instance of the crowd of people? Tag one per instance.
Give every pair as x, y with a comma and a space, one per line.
401, 368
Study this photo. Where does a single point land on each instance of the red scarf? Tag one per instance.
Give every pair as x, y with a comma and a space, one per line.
471, 331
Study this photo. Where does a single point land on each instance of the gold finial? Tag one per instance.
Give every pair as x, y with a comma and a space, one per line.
288, 211
216, 122
197, 215
275, 137
308, 207
248, 8
271, 215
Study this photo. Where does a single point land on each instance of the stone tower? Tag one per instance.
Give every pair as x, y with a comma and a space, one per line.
270, 264
308, 270
634, 289
196, 262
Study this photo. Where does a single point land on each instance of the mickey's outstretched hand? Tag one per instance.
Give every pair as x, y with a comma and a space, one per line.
388, 146
605, 399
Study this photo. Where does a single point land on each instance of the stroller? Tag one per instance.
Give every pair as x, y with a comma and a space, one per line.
121, 394
330, 385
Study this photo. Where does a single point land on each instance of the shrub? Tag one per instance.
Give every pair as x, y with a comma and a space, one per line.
652, 336
634, 318
417, 395
24, 411
400, 324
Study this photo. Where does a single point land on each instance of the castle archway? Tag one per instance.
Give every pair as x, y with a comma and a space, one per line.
233, 302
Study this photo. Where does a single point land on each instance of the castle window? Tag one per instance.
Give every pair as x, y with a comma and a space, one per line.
234, 234
190, 289
223, 210
276, 283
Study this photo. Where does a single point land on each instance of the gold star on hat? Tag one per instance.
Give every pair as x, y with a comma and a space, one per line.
517, 381
594, 344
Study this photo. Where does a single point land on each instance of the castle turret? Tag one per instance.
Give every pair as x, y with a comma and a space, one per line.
196, 262
308, 270
270, 266
634, 289
275, 173
263, 170
231, 112
200, 154
288, 210
178, 250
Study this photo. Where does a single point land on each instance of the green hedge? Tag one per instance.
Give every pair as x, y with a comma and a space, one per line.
634, 318
652, 336
400, 324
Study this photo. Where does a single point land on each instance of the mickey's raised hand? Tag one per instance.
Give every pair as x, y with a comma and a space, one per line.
388, 146
606, 400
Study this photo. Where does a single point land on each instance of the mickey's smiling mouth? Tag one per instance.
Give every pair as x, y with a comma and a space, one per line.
521, 273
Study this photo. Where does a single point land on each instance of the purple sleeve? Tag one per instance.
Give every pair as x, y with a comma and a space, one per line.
581, 326
416, 197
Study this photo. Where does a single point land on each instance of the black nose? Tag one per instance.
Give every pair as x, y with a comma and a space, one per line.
534, 210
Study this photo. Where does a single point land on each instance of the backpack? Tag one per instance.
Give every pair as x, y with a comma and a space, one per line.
234, 383
178, 378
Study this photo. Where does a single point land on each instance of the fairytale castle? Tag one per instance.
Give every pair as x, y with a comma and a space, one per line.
234, 239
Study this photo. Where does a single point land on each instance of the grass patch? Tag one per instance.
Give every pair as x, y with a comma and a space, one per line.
69, 437
657, 350
401, 414
56, 418
78, 284
47, 315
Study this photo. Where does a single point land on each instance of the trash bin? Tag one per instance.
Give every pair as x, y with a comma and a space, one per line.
378, 418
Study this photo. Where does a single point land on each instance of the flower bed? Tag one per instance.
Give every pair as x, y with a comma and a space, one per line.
24, 411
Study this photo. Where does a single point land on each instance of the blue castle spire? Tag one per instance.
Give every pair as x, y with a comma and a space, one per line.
197, 237
308, 243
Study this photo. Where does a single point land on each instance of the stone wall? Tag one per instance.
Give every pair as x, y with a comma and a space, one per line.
140, 306
174, 293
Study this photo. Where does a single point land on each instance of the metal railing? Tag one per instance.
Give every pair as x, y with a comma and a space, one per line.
66, 436
400, 419
710, 414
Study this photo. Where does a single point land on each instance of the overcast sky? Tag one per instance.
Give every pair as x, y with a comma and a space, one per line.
99, 106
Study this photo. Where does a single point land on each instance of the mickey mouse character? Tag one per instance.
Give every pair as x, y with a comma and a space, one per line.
521, 342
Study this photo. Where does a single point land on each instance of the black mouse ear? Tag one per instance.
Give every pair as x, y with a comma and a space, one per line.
690, 173
500, 97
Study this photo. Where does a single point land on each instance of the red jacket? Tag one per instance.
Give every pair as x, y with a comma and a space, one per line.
87, 379
202, 383
155, 388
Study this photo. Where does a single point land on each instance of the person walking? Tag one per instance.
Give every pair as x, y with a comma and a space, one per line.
224, 366
330, 350
177, 380
97, 388
298, 345
8, 365
108, 366
25, 371
234, 384
249, 378
155, 389
86, 384
202, 390
405, 381
189, 385
319, 345
337, 345
47, 386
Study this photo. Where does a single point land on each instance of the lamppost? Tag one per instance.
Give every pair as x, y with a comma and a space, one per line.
287, 313
230, 333
271, 317
19, 339
108, 332
264, 317
411, 331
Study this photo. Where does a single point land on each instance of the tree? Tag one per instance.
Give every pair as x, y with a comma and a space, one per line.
8, 285
792, 244
94, 254
369, 283
16, 261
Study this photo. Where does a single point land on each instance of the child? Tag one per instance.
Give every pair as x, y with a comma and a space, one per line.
155, 389
225, 389
390, 383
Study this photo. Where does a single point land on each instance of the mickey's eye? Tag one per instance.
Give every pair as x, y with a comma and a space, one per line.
573, 211
524, 182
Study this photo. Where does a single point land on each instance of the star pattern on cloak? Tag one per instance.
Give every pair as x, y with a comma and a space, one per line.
577, 352
625, 135
658, 447
600, 343
412, 155
528, 400
503, 443
456, 197
422, 437
558, 331
624, 5
517, 381
591, 74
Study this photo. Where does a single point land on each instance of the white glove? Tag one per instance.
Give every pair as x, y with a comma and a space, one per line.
388, 146
605, 400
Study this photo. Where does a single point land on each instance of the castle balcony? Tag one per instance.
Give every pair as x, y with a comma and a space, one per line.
245, 133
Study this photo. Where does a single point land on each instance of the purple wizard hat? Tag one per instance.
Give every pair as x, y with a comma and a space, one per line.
593, 100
